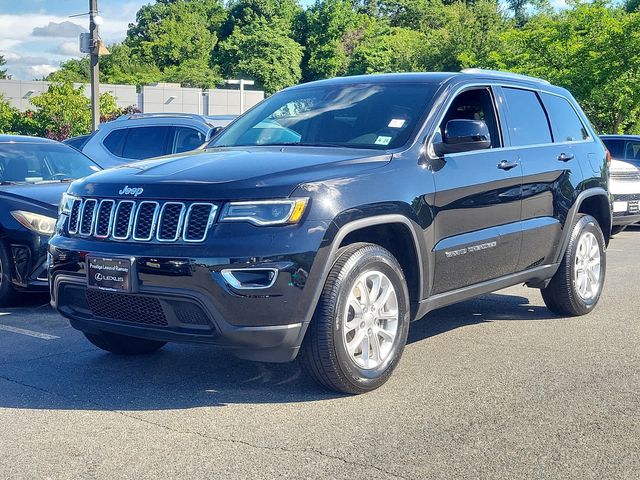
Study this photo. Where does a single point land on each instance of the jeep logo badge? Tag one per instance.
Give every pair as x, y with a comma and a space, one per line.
127, 190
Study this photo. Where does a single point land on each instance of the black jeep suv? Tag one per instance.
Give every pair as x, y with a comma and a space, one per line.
328, 217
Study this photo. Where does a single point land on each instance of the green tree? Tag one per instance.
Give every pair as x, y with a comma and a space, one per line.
3, 72
389, 49
279, 14
467, 35
64, 110
74, 70
126, 65
632, 6
8, 115
170, 32
259, 52
333, 28
592, 50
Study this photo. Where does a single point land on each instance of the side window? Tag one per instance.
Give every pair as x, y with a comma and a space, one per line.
115, 141
528, 124
187, 139
146, 142
475, 105
632, 152
565, 123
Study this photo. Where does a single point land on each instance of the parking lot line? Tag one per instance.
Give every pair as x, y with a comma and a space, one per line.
30, 333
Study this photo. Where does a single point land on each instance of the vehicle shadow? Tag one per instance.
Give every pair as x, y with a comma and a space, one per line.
188, 376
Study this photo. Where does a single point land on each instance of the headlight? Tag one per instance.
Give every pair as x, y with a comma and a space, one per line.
38, 223
266, 212
66, 203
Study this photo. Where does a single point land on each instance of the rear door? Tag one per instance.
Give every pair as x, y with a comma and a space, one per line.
549, 138
477, 202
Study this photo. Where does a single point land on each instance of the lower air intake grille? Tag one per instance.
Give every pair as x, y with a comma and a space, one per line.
189, 314
126, 308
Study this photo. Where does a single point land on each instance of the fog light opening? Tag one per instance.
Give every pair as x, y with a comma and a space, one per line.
250, 278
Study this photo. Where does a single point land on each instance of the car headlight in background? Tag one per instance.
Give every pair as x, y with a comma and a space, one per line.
38, 223
265, 212
66, 203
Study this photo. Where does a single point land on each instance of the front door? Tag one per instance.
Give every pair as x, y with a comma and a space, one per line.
477, 203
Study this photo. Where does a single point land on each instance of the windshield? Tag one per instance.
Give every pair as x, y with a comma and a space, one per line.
46, 162
379, 116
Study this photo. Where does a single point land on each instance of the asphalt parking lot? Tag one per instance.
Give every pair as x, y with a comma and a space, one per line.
497, 387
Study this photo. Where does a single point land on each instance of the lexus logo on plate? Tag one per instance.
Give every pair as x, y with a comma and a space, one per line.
127, 190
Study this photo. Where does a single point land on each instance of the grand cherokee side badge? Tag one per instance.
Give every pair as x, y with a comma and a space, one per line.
127, 190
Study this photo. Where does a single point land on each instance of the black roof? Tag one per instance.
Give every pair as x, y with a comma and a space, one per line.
621, 137
24, 139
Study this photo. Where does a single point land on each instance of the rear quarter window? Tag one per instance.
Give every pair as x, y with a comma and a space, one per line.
565, 122
114, 141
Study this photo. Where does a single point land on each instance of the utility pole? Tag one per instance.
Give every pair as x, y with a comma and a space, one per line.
94, 42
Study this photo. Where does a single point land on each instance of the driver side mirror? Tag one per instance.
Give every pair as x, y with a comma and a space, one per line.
462, 136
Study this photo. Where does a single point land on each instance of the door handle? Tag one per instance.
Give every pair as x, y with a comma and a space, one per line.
505, 165
563, 157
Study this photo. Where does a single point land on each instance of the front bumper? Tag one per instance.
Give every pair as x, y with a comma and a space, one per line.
182, 296
626, 209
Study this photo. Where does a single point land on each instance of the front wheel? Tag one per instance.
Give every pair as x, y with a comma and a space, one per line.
122, 344
576, 287
360, 326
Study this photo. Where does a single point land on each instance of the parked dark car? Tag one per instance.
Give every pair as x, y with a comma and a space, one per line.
328, 217
624, 179
34, 173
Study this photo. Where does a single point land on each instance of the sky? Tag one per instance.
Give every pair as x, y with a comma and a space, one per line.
36, 35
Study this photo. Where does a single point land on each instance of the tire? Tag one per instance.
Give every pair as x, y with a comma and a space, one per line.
616, 229
340, 318
6, 288
122, 344
564, 294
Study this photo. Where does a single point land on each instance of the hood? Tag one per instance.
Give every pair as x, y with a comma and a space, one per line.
45, 195
228, 173
618, 166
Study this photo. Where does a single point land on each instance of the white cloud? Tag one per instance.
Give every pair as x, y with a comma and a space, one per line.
67, 48
39, 71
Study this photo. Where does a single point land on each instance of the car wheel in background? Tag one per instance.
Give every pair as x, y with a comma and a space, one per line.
576, 287
360, 326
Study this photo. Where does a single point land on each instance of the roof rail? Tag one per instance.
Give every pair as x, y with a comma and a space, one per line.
498, 73
135, 116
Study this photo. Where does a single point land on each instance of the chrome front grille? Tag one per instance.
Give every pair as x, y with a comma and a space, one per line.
141, 221
625, 174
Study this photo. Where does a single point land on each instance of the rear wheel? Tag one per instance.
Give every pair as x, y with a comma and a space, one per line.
122, 344
576, 287
360, 326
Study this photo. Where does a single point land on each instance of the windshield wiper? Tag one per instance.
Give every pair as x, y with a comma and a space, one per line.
7, 182
54, 180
